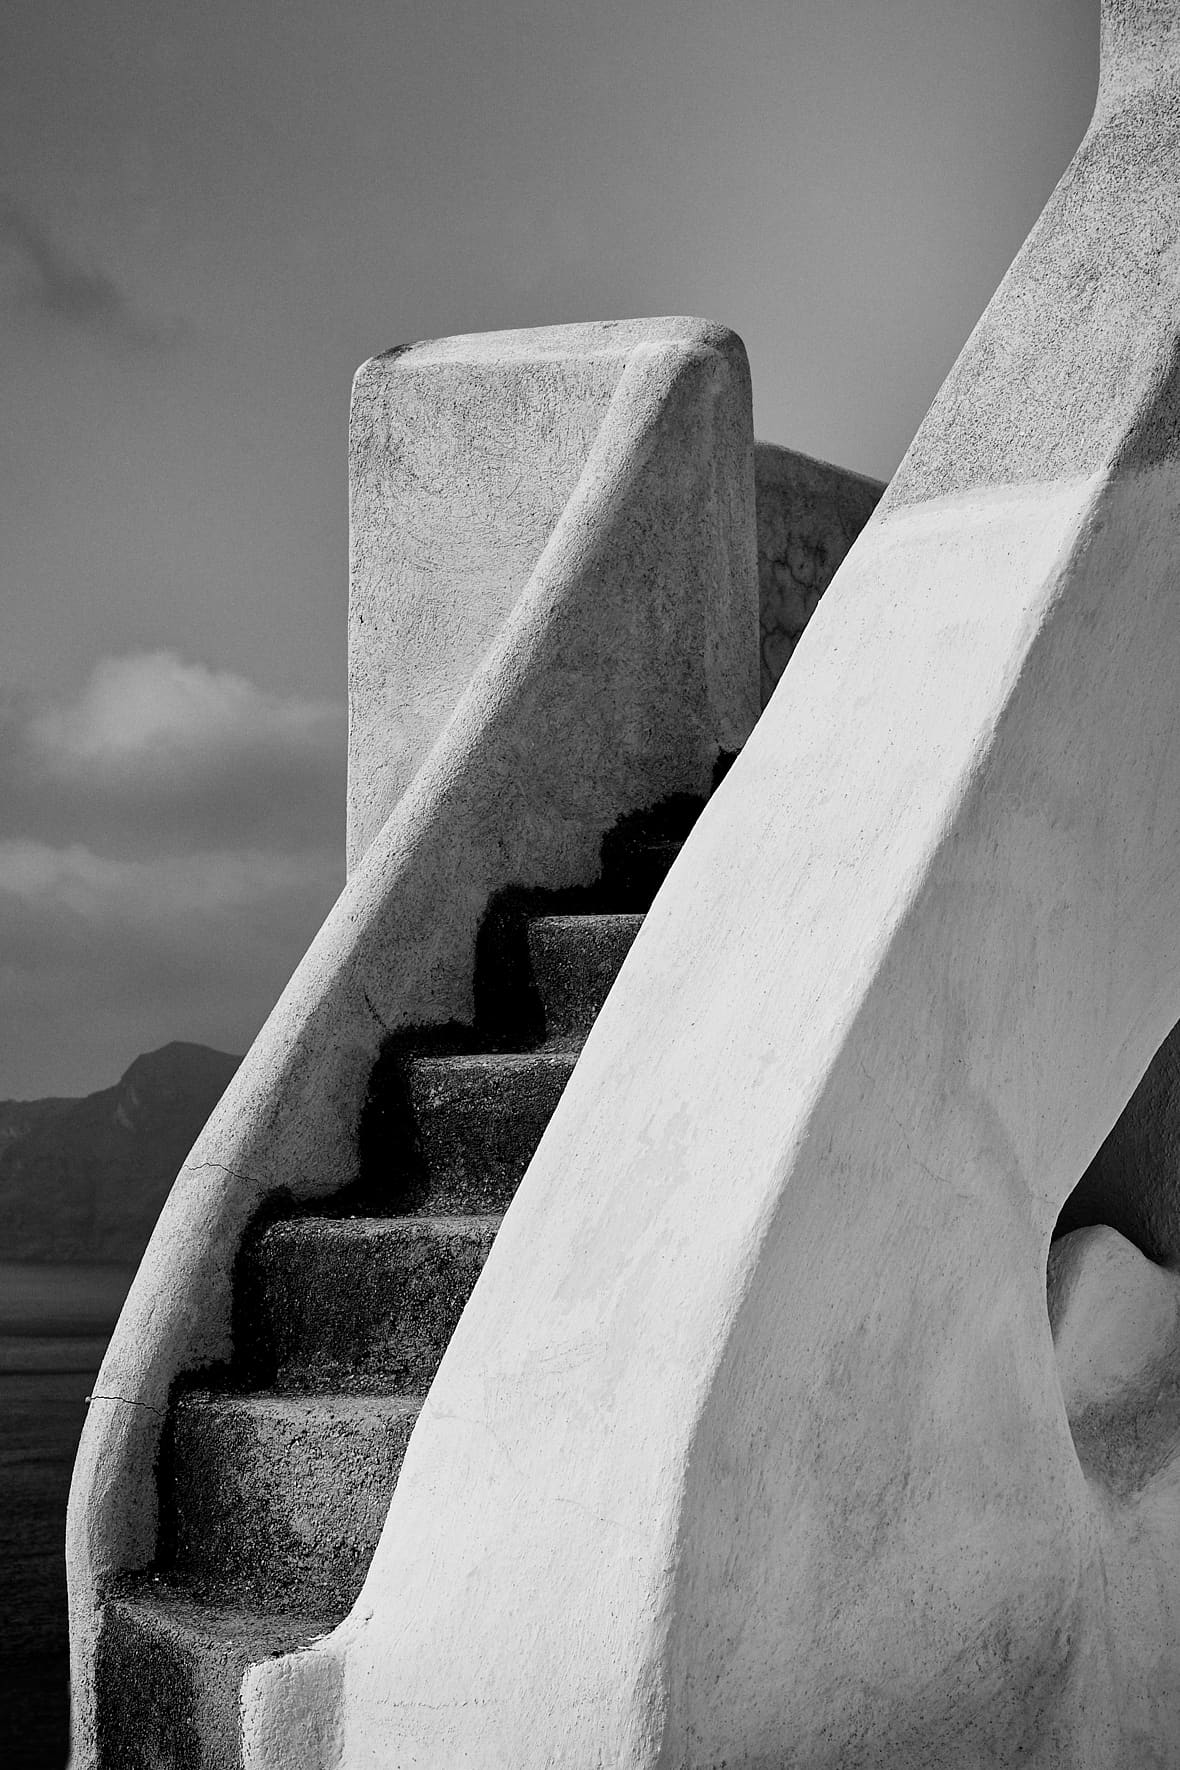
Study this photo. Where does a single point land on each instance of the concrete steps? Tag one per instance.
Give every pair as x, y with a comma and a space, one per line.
275, 1483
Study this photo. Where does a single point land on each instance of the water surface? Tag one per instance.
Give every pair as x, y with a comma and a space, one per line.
54, 1324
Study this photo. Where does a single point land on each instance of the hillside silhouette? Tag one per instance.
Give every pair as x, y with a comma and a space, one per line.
85, 1179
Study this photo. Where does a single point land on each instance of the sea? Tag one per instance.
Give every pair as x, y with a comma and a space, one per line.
55, 1321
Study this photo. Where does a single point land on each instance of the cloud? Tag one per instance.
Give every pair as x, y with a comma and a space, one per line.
158, 753
60, 288
71, 913
170, 840
149, 896
149, 712
101, 959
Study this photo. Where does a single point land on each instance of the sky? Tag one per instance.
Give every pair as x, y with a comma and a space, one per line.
211, 214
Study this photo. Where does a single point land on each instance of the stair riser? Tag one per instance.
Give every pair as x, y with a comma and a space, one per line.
163, 1705
477, 1127
361, 1306
282, 1508
574, 960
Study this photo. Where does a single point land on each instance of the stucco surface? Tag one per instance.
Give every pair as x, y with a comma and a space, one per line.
462, 459
626, 664
1069, 365
754, 1445
809, 514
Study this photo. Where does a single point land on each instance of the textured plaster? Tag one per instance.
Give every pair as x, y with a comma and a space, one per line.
754, 1445
623, 668
1070, 365
463, 458
809, 514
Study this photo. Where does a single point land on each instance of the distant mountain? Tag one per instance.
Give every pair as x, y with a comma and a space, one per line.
85, 1179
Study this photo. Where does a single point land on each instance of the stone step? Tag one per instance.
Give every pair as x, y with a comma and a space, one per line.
170, 1670
477, 1120
280, 1499
573, 961
356, 1303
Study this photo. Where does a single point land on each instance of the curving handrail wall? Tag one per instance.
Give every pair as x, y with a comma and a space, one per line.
620, 661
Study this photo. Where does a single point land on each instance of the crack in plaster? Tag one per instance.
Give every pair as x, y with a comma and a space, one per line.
374, 1011
230, 1173
126, 1401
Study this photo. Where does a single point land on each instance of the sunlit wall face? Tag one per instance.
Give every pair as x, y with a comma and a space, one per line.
210, 215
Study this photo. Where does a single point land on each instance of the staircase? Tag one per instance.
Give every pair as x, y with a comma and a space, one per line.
524, 670
276, 1472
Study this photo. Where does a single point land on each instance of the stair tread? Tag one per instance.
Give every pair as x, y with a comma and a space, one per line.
374, 1227
612, 919
574, 961
296, 1405
464, 1063
220, 1618
461, 1133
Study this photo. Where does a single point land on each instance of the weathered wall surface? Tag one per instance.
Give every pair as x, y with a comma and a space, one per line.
449, 518
753, 1445
462, 456
613, 677
809, 514
464, 453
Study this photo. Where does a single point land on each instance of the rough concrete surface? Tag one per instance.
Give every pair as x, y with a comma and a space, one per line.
753, 1446
625, 667
574, 961
280, 1498
479, 1119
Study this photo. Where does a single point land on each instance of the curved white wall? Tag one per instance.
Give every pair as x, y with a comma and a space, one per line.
751, 1447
